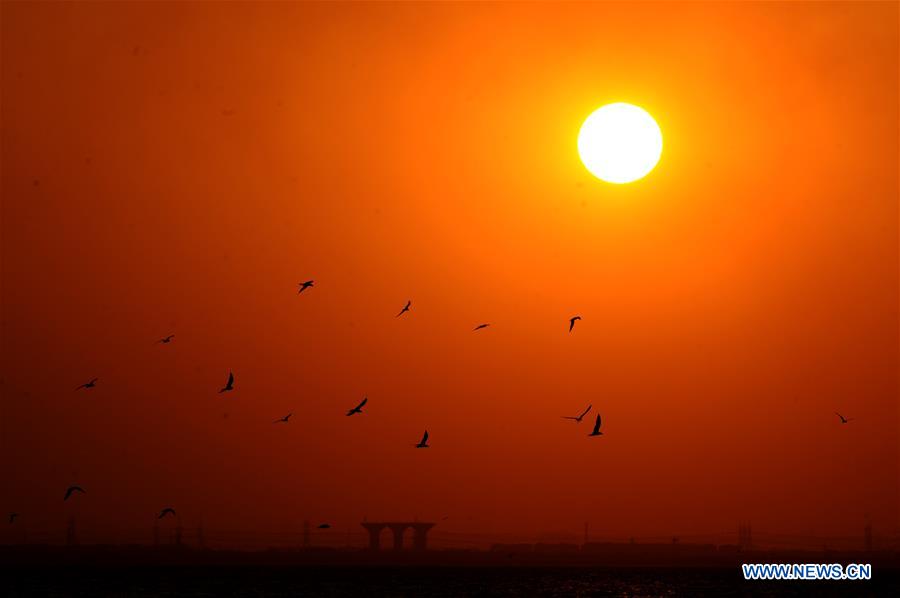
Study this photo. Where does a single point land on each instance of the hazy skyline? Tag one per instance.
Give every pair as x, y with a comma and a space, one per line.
180, 168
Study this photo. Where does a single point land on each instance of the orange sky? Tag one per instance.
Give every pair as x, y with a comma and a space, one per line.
178, 168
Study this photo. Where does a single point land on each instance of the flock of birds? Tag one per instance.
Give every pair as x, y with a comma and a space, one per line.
302, 286
358, 409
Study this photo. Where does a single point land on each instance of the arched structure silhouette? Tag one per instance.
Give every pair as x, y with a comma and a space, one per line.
420, 533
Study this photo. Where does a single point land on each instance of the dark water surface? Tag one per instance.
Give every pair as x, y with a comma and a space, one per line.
415, 581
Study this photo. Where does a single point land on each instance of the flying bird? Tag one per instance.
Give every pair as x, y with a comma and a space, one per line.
358, 408
572, 321
90, 384
596, 431
325, 526
580, 417
12, 518
424, 442
230, 384
73, 489
480, 326
284, 419
405, 308
304, 285
844, 420
166, 511
166, 339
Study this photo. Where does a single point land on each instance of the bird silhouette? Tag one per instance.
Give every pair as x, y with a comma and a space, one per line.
580, 417
324, 526
480, 326
572, 321
596, 431
73, 489
424, 442
230, 384
304, 285
284, 419
166, 511
358, 408
166, 339
405, 308
844, 420
90, 384
12, 518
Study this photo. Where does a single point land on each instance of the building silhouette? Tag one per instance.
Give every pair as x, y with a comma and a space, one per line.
420, 533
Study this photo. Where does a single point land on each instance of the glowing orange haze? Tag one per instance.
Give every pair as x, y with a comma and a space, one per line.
178, 168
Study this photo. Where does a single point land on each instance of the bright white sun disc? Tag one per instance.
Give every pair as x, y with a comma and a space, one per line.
619, 143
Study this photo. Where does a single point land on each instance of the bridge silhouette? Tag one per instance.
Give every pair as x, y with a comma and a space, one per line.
420, 533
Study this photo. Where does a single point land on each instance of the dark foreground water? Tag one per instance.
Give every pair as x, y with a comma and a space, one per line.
416, 582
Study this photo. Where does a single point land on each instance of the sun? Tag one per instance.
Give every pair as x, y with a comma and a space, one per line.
619, 143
